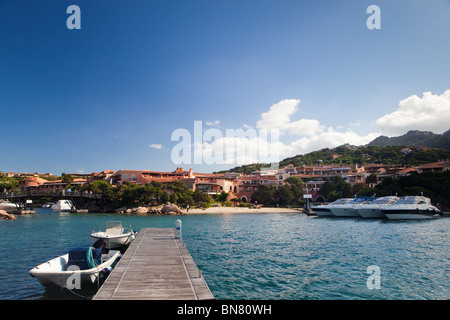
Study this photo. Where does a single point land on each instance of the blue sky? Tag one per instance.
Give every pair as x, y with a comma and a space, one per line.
109, 96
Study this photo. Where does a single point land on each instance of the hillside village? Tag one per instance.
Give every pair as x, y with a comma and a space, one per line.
238, 185
364, 166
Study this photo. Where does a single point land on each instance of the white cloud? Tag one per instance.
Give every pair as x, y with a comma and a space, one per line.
213, 123
259, 145
155, 146
327, 139
279, 115
305, 127
311, 135
429, 113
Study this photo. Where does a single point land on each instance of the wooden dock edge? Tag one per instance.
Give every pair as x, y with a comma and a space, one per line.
192, 274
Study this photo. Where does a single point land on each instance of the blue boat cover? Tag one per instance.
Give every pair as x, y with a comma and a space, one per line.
97, 255
85, 258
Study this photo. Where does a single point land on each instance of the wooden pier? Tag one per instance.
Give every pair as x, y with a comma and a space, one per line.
156, 266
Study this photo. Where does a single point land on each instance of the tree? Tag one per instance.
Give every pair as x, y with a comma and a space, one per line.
221, 197
333, 195
200, 196
284, 194
235, 200
100, 187
372, 178
67, 179
338, 185
296, 185
9, 184
264, 194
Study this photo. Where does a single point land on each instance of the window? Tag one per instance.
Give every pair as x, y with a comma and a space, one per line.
133, 177
125, 177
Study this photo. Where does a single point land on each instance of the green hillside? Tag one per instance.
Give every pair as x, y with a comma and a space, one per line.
415, 138
424, 146
351, 155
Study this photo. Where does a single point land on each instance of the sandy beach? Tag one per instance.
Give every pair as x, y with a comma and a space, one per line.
231, 210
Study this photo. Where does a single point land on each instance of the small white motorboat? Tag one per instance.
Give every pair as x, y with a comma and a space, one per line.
115, 236
8, 206
81, 266
63, 206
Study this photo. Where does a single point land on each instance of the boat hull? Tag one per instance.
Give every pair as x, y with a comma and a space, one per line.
113, 241
8, 207
63, 206
53, 273
410, 214
322, 212
371, 213
345, 212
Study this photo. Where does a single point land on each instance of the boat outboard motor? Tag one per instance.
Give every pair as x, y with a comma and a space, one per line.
100, 243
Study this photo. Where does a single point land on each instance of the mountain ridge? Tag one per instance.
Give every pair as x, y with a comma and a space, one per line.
415, 138
425, 147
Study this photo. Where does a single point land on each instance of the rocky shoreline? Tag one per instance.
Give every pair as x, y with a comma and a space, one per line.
164, 209
172, 209
6, 216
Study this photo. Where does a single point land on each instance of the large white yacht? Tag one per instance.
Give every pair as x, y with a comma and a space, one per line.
412, 207
350, 209
373, 209
324, 210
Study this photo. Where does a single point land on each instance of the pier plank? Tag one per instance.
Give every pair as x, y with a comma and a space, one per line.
156, 266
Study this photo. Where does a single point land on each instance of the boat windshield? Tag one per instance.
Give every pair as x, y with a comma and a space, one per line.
362, 199
113, 224
385, 200
407, 200
342, 201
114, 227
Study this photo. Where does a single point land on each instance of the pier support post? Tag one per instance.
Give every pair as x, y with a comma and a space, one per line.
178, 229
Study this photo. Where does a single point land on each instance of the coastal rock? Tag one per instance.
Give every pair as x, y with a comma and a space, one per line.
140, 210
6, 216
171, 209
120, 210
154, 210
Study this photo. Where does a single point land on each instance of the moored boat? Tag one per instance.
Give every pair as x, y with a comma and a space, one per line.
81, 266
373, 209
324, 210
350, 209
411, 208
8, 206
115, 236
63, 206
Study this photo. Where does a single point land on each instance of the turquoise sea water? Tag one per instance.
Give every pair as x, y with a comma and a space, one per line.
255, 256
